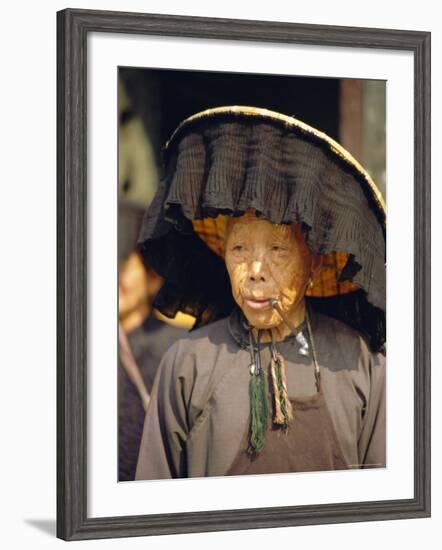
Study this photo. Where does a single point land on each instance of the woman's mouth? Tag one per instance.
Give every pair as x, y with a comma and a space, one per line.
253, 303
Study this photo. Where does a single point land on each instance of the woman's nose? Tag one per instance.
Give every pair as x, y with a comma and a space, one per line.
257, 271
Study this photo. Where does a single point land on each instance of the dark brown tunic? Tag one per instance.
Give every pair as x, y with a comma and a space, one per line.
198, 418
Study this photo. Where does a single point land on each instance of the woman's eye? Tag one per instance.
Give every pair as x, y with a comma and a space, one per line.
278, 248
238, 248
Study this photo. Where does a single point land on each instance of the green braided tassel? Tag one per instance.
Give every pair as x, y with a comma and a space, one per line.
259, 408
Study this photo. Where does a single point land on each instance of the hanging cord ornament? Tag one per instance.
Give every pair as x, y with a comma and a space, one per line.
259, 391
312, 342
283, 411
259, 399
300, 338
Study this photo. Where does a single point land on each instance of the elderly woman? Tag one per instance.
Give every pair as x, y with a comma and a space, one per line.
273, 237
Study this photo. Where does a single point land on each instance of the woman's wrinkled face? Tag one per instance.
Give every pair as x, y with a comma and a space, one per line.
266, 260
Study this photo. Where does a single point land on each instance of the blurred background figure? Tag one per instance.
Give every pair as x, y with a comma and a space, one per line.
144, 337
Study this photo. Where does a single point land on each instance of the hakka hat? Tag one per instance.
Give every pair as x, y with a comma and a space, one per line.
225, 160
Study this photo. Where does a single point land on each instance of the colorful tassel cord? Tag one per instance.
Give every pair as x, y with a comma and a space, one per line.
283, 411
259, 391
259, 395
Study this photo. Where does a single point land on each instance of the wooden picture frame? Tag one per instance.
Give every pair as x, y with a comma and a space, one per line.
73, 27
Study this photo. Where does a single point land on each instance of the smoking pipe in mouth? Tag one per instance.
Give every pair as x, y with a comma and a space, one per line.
300, 338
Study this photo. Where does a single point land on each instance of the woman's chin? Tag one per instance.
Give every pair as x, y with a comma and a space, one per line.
261, 319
